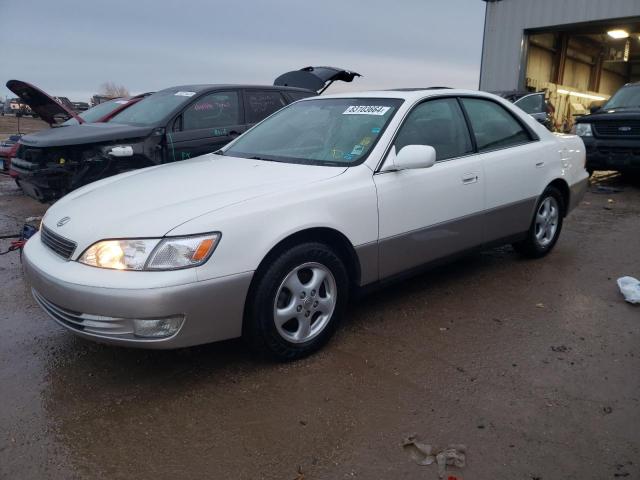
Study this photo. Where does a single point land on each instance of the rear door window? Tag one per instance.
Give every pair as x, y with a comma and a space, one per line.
493, 126
440, 124
259, 105
214, 110
532, 103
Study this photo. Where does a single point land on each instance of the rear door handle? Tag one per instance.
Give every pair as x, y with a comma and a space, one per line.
469, 178
539, 164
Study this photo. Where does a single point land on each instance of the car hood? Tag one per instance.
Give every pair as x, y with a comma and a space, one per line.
84, 133
155, 200
632, 113
41, 103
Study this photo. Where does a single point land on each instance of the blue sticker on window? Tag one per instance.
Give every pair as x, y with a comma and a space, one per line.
375, 130
347, 156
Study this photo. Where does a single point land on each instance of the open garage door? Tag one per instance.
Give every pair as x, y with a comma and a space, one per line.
582, 65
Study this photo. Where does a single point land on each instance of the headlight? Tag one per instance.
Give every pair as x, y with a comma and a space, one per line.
583, 130
151, 254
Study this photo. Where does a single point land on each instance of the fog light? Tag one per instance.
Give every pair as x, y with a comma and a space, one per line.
157, 327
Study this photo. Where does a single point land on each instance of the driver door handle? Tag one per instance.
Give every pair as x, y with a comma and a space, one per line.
469, 178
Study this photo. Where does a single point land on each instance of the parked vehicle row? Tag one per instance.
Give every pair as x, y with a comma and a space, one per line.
170, 125
269, 236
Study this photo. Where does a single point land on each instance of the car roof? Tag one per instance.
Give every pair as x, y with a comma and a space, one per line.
410, 93
217, 86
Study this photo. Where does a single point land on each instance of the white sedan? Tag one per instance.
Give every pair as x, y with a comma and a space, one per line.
268, 237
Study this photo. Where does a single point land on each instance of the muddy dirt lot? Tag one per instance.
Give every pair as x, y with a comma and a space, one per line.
532, 364
10, 125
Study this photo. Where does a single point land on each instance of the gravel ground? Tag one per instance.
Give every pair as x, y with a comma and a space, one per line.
532, 364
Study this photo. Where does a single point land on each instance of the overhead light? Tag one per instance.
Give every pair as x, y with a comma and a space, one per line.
618, 33
580, 95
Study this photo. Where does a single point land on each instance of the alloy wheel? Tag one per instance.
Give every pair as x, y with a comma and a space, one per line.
546, 224
304, 303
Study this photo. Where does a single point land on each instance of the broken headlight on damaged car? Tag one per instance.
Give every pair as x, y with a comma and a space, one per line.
169, 253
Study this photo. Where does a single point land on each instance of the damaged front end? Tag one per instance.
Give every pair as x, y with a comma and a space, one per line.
48, 173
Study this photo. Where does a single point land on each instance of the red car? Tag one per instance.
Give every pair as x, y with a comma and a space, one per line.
104, 111
57, 113
8, 149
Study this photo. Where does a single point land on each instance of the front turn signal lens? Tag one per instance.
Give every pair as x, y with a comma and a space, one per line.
182, 252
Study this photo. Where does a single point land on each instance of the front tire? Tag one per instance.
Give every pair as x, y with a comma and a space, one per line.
545, 226
298, 302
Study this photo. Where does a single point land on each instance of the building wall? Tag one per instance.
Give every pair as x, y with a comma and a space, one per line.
506, 20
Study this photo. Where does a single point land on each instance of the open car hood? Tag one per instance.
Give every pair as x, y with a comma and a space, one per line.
317, 79
41, 103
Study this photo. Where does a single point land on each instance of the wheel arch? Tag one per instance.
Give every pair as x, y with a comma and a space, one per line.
329, 236
333, 238
564, 189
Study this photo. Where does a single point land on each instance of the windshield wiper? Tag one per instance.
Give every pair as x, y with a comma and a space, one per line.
255, 157
218, 152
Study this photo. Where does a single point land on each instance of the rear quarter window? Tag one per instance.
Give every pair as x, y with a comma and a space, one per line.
493, 126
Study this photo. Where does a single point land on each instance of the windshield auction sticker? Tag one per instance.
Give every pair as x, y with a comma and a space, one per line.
366, 110
184, 94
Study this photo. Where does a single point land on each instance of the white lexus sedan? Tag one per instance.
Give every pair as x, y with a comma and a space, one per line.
268, 237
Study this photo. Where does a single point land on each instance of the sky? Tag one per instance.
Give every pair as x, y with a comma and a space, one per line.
71, 47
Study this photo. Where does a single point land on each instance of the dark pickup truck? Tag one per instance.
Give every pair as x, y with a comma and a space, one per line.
611, 134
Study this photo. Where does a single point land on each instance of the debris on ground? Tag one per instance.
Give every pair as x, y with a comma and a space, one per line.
539, 305
425, 454
603, 189
300, 474
630, 288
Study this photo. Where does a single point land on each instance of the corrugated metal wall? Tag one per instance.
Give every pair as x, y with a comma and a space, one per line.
502, 53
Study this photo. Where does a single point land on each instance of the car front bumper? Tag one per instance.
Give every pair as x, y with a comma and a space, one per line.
212, 309
612, 154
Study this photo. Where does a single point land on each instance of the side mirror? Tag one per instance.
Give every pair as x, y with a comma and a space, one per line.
595, 107
415, 156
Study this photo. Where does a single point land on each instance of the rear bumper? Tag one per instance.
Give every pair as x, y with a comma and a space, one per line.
212, 309
578, 190
612, 154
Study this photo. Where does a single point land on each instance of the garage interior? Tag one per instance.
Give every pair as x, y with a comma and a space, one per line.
582, 65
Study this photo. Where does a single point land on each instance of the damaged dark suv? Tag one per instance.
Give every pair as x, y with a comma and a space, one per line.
611, 134
170, 125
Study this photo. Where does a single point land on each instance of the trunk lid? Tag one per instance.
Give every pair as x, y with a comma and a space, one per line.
317, 79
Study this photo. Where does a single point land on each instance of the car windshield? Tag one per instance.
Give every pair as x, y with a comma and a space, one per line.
153, 109
626, 97
331, 131
96, 113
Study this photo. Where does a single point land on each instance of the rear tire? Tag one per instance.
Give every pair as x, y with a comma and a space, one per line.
297, 302
545, 226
